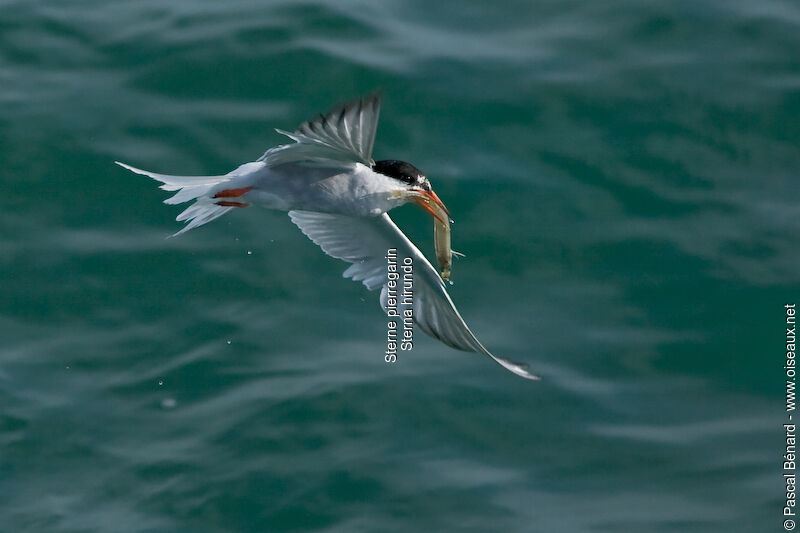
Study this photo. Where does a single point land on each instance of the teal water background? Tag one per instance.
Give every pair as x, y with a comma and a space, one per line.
623, 176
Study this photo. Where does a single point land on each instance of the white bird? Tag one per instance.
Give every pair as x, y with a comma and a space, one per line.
339, 197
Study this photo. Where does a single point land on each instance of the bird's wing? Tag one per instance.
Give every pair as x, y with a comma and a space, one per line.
343, 136
364, 242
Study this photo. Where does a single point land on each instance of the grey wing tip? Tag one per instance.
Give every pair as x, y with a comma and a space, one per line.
310, 125
369, 99
520, 369
372, 99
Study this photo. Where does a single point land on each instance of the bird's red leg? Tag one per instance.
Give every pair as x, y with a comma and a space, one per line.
232, 193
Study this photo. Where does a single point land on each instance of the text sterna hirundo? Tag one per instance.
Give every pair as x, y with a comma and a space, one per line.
339, 197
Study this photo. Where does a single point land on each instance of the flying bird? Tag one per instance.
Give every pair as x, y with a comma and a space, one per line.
339, 197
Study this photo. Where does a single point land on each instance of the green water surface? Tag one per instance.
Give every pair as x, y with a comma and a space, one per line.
623, 176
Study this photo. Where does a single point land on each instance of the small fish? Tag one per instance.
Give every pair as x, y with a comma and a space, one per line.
441, 229
441, 242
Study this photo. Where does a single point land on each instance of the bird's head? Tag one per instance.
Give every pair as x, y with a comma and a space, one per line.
413, 186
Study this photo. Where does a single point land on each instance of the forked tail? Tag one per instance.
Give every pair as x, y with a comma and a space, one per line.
212, 199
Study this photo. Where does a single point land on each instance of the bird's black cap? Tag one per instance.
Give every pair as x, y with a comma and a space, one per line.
400, 170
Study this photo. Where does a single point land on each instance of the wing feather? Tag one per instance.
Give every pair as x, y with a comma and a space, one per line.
364, 242
344, 135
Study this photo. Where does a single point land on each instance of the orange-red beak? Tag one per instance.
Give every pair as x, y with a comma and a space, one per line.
430, 202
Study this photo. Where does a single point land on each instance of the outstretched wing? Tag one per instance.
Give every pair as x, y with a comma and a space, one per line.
364, 242
345, 135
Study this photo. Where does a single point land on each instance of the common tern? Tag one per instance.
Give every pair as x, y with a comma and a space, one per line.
339, 197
